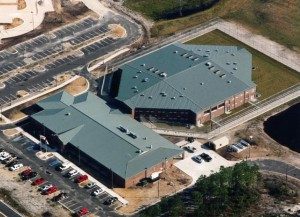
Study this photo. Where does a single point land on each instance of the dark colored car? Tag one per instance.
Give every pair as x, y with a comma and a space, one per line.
59, 197
206, 157
190, 149
190, 139
25, 172
110, 201
11, 163
29, 176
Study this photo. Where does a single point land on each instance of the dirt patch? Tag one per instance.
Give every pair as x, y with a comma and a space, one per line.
16, 22
10, 133
117, 31
21, 4
172, 180
77, 86
27, 196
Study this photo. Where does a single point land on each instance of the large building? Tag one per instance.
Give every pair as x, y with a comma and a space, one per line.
109, 142
185, 83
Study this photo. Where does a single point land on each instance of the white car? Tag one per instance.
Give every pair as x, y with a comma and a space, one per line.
2, 152
16, 167
72, 173
97, 192
45, 187
4, 156
64, 166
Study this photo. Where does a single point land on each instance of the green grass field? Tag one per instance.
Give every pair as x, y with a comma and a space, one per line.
279, 20
269, 75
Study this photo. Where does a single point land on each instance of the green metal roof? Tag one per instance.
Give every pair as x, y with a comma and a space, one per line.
87, 122
189, 77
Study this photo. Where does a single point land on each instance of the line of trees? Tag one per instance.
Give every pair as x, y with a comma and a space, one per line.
227, 193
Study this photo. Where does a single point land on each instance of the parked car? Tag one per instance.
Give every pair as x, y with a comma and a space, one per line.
83, 211
25, 172
38, 181
81, 178
45, 187
190, 149
72, 173
59, 197
64, 166
50, 190
11, 163
97, 192
244, 143
239, 145
206, 157
190, 139
197, 158
110, 201
29, 176
90, 185
16, 167
4, 156
10, 159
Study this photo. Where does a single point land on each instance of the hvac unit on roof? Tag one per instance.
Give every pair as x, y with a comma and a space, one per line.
143, 64
181, 96
223, 76
142, 94
228, 82
122, 129
217, 72
191, 57
208, 64
145, 80
135, 76
139, 72
234, 68
196, 59
132, 135
206, 55
151, 69
201, 83
173, 97
156, 71
134, 87
175, 51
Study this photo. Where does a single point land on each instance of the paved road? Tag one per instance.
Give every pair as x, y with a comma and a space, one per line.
8, 211
278, 167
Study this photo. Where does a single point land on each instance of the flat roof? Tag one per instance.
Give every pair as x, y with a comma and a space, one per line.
187, 77
113, 139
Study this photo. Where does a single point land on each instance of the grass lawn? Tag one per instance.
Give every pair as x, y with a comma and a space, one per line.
269, 75
279, 20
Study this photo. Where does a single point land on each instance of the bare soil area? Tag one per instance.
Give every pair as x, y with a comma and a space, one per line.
27, 196
77, 86
172, 180
65, 12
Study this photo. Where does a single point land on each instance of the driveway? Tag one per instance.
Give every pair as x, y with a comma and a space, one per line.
194, 169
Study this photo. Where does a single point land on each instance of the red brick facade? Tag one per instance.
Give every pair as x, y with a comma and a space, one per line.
185, 116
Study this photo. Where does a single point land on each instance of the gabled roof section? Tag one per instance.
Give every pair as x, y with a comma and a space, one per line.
105, 136
187, 77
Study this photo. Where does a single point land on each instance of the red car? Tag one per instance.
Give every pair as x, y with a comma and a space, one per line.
38, 181
81, 178
26, 172
83, 211
51, 190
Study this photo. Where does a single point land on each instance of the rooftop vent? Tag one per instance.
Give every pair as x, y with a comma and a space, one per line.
143, 64
139, 72
134, 87
207, 51
227, 51
151, 69
208, 63
233, 54
181, 96
217, 72
163, 74
191, 57
156, 71
211, 68
184, 54
196, 59
223, 76
234, 63
145, 80
68, 114
150, 97
228, 63
184, 88
234, 68
206, 55
122, 129
173, 97
201, 83
139, 151
145, 138
228, 82
136, 91
175, 51
142, 94
135, 76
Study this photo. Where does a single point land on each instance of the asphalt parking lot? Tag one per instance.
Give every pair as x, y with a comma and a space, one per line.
42, 46
78, 197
